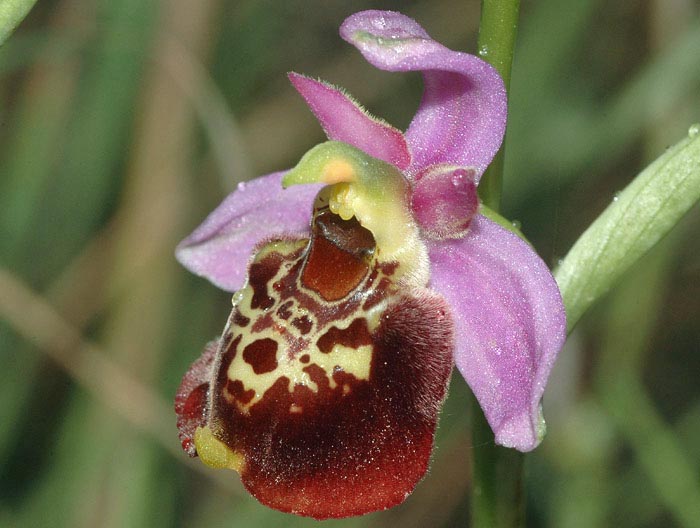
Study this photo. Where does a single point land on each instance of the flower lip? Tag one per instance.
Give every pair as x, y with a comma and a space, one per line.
328, 378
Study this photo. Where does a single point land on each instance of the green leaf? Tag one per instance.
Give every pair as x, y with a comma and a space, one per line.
637, 219
12, 12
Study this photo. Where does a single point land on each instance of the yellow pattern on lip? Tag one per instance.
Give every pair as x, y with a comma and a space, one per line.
214, 453
353, 361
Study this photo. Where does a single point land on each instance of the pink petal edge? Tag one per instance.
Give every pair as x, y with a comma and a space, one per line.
510, 325
343, 119
220, 248
462, 116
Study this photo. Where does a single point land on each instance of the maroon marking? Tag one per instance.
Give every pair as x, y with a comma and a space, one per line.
304, 324
286, 287
191, 399
240, 320
263, 322
354, 336
294, 345
388, 268
237, 390
192, 414
318, 376
229, 352
305, 358
261, 355
378, 294
259, 275
372, 277
343, 379
284, 310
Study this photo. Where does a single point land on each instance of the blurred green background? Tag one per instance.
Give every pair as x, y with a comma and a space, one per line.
122, 123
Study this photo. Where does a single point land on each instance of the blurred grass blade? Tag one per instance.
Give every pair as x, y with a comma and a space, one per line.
41, 47
575, 136
636, 309
634, 495
12, 12
636, 220
35, 122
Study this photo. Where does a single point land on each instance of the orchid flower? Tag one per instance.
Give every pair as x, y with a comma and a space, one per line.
370, 273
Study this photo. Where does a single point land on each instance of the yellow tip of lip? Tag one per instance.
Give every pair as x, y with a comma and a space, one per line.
338, 171
214, 453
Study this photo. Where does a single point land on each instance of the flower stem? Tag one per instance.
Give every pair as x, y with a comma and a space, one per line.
497, 479
497, 483
497, 30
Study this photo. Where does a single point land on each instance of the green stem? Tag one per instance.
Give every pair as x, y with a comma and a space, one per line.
497, 484
497, 479
497, 30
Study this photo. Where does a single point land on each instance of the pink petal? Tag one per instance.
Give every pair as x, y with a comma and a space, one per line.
462, 117
510, 325
220, 248
444, 201
343, 119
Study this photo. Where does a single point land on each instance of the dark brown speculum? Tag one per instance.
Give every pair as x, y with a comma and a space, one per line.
338, 257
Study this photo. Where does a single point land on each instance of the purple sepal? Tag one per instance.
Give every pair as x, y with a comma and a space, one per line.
462, 116
509, 321
343, 119
260, 209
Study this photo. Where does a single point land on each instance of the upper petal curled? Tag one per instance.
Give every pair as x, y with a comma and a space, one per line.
509, 325
462, 116
220, 248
